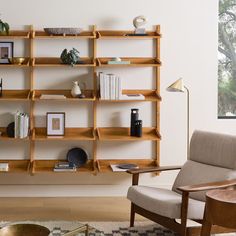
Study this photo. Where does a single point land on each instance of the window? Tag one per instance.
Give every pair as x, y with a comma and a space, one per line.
227, 59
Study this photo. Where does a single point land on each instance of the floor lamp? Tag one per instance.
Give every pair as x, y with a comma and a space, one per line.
178, 86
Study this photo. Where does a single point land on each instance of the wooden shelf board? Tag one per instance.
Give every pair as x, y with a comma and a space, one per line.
122, 134
39, 134
150, 96
89, 95
82, 35
117, 34
103, 165
134, 62
15, 95
4, 136
16, 34
47, 166
26, 63
56, 61
16, 166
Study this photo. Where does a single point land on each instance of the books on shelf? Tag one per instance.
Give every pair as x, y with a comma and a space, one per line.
21, 125
122, 167
132, 97
118, 62
4, 167
52, 96
110, 86
63, 167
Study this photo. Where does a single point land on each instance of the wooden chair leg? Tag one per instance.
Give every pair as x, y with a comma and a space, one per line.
206, 229
132, 215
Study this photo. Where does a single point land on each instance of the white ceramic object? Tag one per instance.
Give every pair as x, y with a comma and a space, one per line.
75, 91
66, 31
139, 21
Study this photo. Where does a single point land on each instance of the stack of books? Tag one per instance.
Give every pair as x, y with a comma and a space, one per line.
4, 167
110, 86
21, 125
64, 166
52, 96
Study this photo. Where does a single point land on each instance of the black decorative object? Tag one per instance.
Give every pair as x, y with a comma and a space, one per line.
11, 130
138, 128
1, 88
71, 58
127, 166
134, 117
77, 156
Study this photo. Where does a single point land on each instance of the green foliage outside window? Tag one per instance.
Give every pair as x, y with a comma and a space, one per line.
227, 59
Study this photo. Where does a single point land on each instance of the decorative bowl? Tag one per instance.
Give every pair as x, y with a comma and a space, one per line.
77, 156
66, 31
16, 60
24, 229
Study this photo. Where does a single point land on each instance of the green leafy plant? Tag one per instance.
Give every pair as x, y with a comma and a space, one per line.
71, 57
4, 27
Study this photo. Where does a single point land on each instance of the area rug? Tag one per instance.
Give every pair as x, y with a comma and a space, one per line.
142, 228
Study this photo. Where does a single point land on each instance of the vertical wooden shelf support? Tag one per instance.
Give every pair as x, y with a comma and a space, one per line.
32, 143
95, 102
158, 32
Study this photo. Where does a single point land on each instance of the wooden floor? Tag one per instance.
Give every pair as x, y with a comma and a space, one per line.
81, 208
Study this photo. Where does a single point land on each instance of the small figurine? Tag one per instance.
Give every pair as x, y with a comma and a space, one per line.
76, 91
138, 22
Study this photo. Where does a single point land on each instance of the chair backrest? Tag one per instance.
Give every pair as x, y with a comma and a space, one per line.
212, 158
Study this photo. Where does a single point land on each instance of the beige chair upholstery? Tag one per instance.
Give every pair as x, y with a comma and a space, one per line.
212, 158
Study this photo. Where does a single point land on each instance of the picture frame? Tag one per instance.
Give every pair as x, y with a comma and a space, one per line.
6, 51
56, 123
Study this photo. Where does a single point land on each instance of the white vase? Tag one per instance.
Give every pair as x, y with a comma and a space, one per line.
75, 91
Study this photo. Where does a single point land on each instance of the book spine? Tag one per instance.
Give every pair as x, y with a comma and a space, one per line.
21, 125
113, 96
101, 79
119, 88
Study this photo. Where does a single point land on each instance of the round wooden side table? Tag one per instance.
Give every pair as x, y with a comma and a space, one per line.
220, 210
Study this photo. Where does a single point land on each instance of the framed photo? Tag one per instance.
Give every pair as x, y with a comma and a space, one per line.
6, 51
56, 123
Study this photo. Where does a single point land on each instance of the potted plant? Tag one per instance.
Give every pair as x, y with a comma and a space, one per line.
4, 27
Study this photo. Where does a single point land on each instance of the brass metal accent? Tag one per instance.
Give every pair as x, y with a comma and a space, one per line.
24, 230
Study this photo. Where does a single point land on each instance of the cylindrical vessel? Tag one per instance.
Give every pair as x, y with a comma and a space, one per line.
138, 128
134, 117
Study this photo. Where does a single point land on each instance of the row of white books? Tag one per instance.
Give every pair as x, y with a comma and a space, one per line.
110, 86
21, 125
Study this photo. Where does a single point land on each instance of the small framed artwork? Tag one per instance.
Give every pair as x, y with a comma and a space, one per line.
6, 51
56, 123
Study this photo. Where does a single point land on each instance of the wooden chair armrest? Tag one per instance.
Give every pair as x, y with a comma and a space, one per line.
208, 186
153, 169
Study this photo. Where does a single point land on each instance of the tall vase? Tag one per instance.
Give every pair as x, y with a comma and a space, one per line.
75, 91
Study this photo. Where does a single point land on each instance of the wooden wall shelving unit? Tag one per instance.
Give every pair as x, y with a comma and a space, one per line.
92, 134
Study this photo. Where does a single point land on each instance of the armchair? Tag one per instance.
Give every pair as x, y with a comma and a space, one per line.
212, 164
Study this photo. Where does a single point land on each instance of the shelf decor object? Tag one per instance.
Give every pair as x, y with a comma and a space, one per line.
6, 52
55, 123
4, 28
93, 134
63, 31
178, 86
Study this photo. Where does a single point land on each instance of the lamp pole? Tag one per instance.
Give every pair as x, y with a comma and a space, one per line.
178, 86
188, 141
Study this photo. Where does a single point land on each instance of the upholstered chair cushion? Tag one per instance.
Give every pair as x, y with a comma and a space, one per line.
164, 202
197, 173
213, 149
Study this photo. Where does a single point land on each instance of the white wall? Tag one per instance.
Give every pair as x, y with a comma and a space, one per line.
188, 49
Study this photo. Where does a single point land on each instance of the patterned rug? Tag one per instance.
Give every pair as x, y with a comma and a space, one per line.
59, 228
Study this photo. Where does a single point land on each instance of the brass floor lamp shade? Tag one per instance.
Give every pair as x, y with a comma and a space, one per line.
178, 86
